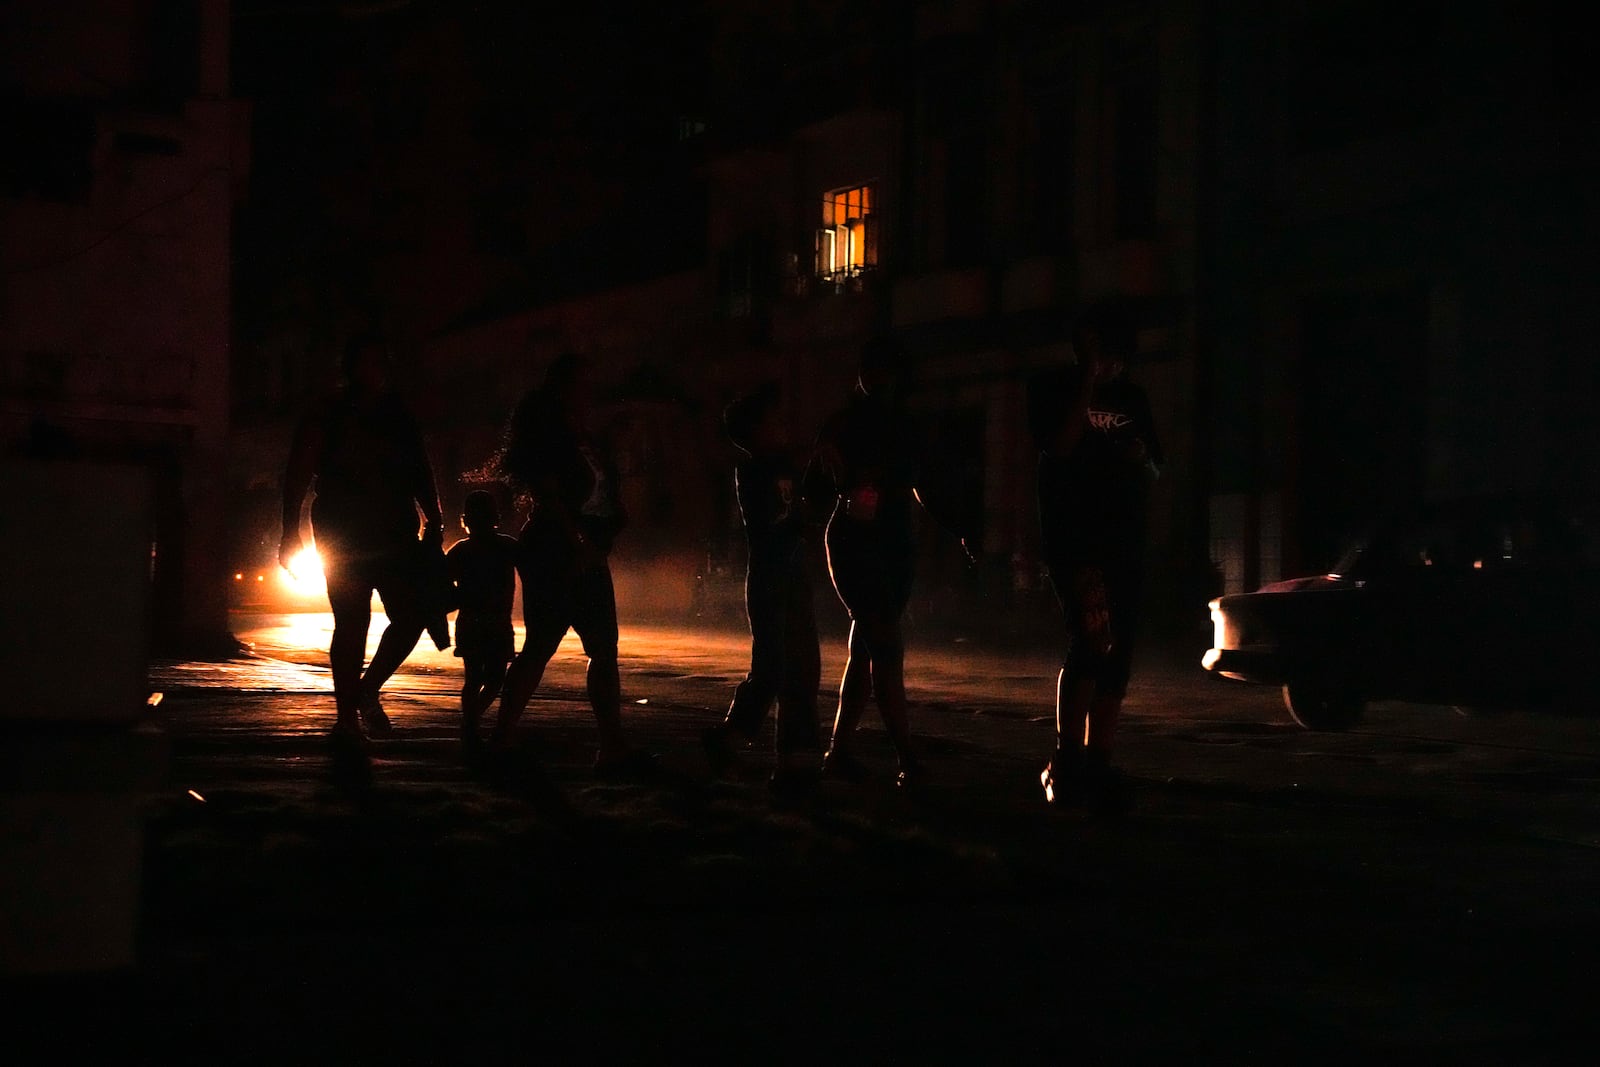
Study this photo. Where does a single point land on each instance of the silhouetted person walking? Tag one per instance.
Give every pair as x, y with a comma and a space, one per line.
866, 461
1098, 455
483, 567
785, 664
363, 452
551, 457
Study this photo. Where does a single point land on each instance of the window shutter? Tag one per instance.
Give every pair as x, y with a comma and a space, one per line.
869, 255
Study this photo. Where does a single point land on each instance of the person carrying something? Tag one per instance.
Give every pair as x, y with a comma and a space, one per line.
552, 458
363, 452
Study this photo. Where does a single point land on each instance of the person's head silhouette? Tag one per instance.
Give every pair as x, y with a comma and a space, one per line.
367, 366
479, 513
1105, 337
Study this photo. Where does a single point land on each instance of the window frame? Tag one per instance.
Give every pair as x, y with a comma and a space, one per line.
857, 232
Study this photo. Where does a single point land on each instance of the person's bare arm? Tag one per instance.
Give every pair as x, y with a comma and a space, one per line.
425, 492
939, 495
304, 455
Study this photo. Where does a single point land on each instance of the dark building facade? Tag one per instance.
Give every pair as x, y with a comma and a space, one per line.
124, 162
958, 174
1357, 237
1400, 292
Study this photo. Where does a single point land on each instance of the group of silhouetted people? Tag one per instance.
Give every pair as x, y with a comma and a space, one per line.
861, 481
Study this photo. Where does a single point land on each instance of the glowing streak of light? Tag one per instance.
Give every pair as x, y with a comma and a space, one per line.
152, 700
197, 796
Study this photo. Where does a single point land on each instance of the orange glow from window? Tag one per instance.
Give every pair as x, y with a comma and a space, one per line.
842, 244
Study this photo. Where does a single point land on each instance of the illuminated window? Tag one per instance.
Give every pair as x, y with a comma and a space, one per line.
847, 241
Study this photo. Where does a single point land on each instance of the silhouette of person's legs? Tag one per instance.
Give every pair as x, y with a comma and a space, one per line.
753, 697
480, 686
872, 576
471, 689
526, 672
1074, 694
493, 677
855, 688
399, 638
1123, 592
1076, 682
547, 592
801, 672
398, 583
603, 682
350, 598
1100, 730
1099, 608
595, 620
889, 684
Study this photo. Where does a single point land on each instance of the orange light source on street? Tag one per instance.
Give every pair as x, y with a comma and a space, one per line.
303, 575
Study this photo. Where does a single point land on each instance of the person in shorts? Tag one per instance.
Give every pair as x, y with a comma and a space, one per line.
1098, 456
361, 452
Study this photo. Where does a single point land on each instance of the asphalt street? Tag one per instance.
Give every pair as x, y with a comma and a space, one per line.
1422, 886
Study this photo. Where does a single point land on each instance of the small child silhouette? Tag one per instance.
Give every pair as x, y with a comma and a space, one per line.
483, 567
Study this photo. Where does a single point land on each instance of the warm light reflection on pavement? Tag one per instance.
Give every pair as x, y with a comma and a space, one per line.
662, 664
694, 662
1532, 771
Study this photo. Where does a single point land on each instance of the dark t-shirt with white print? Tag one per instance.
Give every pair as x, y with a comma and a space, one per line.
1093, 502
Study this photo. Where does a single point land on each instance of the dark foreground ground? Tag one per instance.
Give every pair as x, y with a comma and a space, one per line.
1422, 889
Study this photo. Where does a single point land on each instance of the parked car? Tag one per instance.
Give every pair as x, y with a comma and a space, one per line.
1484, 602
